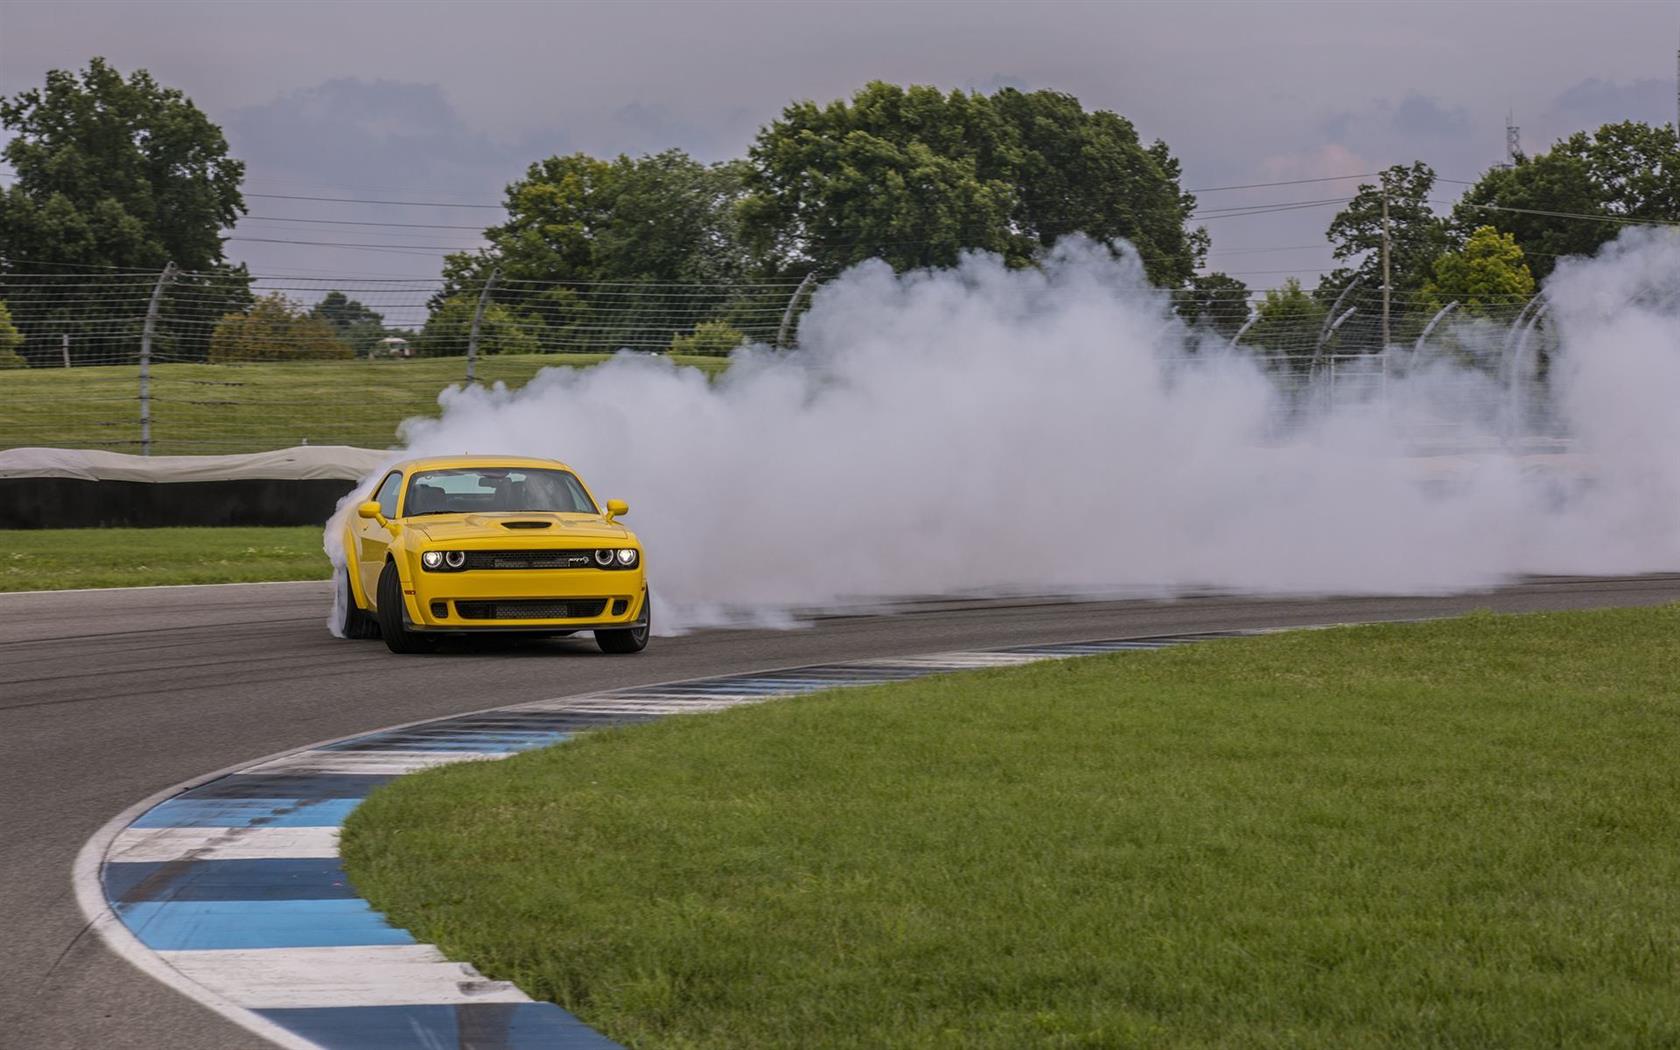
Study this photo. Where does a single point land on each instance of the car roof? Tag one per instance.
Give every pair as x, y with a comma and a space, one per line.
460, 462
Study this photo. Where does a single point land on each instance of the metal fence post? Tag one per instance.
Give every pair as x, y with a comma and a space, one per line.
787, 315
146, 334
478, 316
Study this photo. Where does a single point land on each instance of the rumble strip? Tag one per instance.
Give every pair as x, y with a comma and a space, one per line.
229, 888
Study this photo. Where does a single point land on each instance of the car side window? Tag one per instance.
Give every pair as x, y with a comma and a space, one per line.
388, 490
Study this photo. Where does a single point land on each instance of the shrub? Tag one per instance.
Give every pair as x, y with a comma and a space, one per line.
275, 329
710, 339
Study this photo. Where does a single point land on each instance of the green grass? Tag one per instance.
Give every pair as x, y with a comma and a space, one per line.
1454, 834
55, 559
249, 407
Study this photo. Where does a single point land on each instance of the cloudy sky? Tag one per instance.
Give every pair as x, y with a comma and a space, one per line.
447, 102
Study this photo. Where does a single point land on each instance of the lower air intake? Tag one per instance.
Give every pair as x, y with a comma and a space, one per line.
531, 609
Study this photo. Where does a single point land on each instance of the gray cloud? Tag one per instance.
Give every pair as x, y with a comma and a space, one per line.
1593, 102
452, 100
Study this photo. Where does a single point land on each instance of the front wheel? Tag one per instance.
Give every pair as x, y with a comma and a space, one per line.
398, 638
629, 639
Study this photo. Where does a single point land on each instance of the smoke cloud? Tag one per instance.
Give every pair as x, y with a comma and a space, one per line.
1057, 430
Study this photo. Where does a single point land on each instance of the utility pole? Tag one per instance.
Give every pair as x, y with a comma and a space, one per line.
1385, 258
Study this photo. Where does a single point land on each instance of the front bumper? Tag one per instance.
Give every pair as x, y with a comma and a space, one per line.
526, 600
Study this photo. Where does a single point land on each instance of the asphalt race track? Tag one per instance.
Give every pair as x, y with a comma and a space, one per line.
109, 696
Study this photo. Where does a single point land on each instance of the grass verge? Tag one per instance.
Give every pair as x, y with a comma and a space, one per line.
1462, 833
58, 559
250, 407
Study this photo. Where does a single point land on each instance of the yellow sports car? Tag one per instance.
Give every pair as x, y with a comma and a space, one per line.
473, 544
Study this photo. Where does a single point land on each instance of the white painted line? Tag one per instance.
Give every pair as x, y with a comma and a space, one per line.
391, 975
164, 844
90, 897
389, 763
960, 662
636, 705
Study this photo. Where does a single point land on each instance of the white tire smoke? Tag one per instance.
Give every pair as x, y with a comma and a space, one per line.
993, 430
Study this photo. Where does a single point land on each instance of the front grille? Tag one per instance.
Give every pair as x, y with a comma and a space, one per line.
532, 609
538, 559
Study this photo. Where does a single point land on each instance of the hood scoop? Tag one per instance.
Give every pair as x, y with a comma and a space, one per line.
526, 524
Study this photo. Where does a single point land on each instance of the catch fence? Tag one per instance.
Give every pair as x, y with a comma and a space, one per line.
180, 362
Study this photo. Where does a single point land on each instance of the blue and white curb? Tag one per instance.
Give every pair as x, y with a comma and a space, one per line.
230, 889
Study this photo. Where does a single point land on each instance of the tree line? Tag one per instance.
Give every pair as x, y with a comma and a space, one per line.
115, 173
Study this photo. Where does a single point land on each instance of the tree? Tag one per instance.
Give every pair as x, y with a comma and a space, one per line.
360, 327
114, 173
1079, 172
10, 340
1489, 271
275, 329
659, 218
579, 229
1289, 321
1548, 202
915, 177
1216, 300
1416, 235
500, 331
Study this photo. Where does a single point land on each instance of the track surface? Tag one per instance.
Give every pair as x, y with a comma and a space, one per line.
109, 696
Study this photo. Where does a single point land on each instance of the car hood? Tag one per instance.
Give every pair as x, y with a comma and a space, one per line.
566, 529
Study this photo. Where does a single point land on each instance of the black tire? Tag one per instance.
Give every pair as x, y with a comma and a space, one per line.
630, 639
353, 620
398, 638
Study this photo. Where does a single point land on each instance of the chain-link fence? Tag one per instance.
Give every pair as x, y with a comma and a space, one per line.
178, 362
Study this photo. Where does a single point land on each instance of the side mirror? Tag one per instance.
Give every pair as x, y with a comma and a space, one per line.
617, 508
370, 509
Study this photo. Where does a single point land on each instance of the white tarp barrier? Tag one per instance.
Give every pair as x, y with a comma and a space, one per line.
304, 463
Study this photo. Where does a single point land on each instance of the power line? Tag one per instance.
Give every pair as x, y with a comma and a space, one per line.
1289, 182
368, 200
355, 222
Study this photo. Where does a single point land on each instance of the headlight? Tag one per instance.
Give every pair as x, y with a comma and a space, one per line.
431, 559
627, 556
454, 559
604, 557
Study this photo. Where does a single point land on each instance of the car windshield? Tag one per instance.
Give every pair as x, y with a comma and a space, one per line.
496, 490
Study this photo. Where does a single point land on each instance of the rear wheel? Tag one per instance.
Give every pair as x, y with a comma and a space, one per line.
630, 639
398, 638
353, 620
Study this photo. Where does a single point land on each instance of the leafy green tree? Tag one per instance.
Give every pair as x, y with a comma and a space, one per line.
1488, 272
275, 329
115, 173
10, 340
1626, 170
909, 175
581, 231
1289, 321
659, 218
1217, 300
1080, 172
500, 331
1417, 236
360, 327
915, 177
